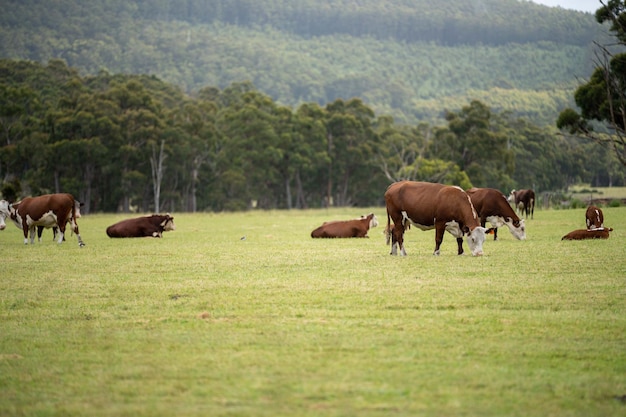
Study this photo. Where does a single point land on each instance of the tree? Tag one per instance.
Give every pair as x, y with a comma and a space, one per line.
476, 141
602, 100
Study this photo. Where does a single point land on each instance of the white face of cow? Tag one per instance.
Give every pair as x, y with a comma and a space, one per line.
168, 225
373, 222
475, 241
4, 213
517, 232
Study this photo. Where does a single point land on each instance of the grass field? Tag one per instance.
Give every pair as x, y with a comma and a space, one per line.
203, 323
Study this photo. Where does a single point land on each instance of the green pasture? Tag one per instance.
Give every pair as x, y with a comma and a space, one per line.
205, 323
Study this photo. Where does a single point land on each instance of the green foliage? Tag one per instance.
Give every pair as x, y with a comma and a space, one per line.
236, 148
412, 59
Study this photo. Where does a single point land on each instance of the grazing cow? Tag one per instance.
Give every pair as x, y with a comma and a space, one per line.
50, 210
581, 234
433, 206
146, 226
346, 228
595, 218
524, 201
493, 207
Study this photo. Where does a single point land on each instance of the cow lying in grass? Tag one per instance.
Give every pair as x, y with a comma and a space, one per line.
346, 228
582, 234
146, 226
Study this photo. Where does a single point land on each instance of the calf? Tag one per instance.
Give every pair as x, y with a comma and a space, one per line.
524, 201
595, 218
145, 226
492, 207
433, 206
346, 228
48, 210
581, 234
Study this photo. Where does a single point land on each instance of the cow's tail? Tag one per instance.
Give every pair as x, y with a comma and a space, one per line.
73, 217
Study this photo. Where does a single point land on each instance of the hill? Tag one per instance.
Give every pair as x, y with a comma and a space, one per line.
409, 58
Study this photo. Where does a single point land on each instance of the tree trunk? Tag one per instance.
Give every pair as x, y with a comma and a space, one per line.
156, 162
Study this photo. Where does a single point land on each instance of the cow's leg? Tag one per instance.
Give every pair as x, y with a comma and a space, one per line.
398, 238
39, 232
459, 242
75, 230
440, 228
32, 235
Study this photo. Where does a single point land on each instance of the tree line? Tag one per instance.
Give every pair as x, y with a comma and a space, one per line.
412, 59
134, 142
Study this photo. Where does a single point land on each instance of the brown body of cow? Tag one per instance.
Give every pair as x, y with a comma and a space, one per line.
346, 228
145, 226
582, 234
433, 206
594, 218
50, 210
524, 201
493, 207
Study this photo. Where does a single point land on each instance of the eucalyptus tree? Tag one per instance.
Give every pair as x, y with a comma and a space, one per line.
602, 100
477, 143
198, 147
310, 155
140, 120
20, 113
351, 142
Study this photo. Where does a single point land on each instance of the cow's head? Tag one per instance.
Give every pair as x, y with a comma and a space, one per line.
475, 239
168, 223
517, 228
373, 220
511, 197
4, 213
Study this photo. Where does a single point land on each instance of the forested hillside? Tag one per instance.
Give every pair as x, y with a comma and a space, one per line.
409, 58
133, 142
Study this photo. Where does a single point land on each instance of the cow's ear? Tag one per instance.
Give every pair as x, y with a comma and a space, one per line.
489, 231
466, 230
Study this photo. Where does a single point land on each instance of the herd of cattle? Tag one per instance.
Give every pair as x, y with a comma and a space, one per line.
56, 210
450, 209
424, 205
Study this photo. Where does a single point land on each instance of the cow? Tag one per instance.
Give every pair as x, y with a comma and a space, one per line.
594, 218
493, 207
55, 228
50, 210
581, 234
433, 206
145, 226
346, 228
524, 201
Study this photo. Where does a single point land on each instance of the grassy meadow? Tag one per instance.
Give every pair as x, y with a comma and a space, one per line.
205, 323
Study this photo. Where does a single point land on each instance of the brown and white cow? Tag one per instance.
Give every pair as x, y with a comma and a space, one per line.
594, 218
493, 207
524, 201
346, 228
50, 210
55, 228
433, 206
581, 234
145, 226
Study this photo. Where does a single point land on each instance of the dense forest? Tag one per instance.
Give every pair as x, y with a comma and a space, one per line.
123, 142
412, 59
194, 105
